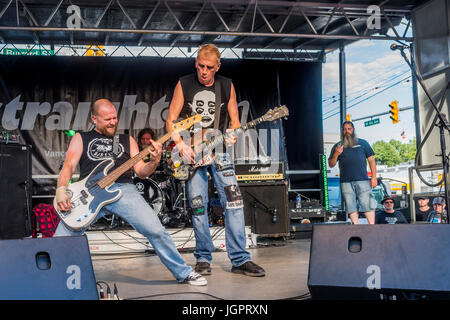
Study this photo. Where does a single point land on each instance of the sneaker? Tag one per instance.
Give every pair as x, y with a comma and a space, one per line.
203, 268
249, 268
195, 279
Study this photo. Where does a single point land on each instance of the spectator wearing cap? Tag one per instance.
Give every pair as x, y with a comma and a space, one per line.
389, 215
439, 214
424, 209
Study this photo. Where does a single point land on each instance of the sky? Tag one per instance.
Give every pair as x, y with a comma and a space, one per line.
371, 67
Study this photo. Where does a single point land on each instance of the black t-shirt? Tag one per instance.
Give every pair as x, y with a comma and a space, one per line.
395, 217
199, 99
423, 215
97, 147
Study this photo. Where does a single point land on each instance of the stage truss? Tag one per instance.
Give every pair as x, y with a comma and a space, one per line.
257, 29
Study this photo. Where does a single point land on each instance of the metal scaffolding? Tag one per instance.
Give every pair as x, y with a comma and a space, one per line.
252, 24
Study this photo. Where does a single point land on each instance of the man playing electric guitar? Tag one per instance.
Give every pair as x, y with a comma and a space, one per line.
88, 149
198, 94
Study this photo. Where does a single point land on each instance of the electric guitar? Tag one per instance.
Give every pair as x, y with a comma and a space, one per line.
203, 152
89, 195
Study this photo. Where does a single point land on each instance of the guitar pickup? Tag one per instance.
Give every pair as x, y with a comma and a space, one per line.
83, 197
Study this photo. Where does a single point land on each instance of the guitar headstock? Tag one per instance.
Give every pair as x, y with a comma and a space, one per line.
186, 123
276, 113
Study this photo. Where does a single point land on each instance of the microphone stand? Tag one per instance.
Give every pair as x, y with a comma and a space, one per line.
272, 211
443, 123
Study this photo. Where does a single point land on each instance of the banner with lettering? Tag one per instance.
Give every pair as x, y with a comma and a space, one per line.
46, 99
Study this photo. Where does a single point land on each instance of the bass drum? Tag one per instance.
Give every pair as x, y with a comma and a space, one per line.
152, 193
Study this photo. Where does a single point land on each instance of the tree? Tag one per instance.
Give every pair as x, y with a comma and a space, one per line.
394, 152
407, 151
386, 153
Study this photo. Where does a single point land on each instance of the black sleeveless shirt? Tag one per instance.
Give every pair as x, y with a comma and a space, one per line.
199, 99
97, 147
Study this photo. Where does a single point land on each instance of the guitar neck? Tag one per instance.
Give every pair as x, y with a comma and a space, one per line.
116, 173
210, 145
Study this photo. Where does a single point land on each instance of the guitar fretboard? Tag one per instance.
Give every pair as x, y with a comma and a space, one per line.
116, 173
211, 144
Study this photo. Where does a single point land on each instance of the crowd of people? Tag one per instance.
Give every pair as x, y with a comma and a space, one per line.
353, 153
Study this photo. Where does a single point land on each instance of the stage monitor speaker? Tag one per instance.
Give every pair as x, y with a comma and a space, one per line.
57, 268
372, 262
15, 191
265, 207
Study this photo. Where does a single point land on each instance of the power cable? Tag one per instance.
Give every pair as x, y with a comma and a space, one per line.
173, 293
391, 86
377, 86
370, 88
305, 296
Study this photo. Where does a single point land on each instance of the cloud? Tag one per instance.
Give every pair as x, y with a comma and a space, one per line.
360, 75
362, 44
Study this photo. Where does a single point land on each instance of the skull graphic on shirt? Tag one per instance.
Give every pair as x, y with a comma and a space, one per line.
204, 105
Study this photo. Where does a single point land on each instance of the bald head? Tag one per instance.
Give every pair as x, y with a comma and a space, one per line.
104, 116
101, 103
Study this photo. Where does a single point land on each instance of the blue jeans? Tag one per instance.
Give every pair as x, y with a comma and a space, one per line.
133, 208
230, 199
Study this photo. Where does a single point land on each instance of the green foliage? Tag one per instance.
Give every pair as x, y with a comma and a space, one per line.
394, 152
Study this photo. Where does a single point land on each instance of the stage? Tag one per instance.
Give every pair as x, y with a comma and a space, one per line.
141, 276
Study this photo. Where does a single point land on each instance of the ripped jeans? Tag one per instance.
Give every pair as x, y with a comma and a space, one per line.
230, 199
133, 208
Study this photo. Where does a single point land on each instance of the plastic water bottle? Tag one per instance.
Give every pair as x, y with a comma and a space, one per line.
298, 202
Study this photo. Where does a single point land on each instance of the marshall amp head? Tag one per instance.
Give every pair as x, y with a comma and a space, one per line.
260, 171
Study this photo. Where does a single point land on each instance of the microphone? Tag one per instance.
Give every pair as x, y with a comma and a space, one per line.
395, 46
274, 215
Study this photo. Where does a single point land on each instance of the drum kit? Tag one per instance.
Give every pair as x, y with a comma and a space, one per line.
167, 196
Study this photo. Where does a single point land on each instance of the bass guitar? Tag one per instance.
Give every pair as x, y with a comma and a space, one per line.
203, 152
89, 195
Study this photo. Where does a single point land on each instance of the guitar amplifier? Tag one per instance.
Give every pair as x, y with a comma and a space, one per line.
273, 170
15, 191
265, 207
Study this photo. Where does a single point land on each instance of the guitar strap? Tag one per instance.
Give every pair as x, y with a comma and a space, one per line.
116, 145
218, 92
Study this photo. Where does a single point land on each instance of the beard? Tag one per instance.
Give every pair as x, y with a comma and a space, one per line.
349, 141
108, 131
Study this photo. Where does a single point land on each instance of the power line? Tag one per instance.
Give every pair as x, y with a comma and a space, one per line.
386, 81
376, 87
398, 82
364, 88
337, 107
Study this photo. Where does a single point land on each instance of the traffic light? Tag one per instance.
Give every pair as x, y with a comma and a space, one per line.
394, 111
347, 117
94, 51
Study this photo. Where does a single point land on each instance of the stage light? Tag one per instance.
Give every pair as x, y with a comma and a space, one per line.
70, 133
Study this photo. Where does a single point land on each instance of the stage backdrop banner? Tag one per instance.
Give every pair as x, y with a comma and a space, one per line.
42, 97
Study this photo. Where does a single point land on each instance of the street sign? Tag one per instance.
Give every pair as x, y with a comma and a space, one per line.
32, 52
372, 122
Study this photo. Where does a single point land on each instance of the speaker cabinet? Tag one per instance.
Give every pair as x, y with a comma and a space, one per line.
57, 268
372, 262
15, 191
265, 207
